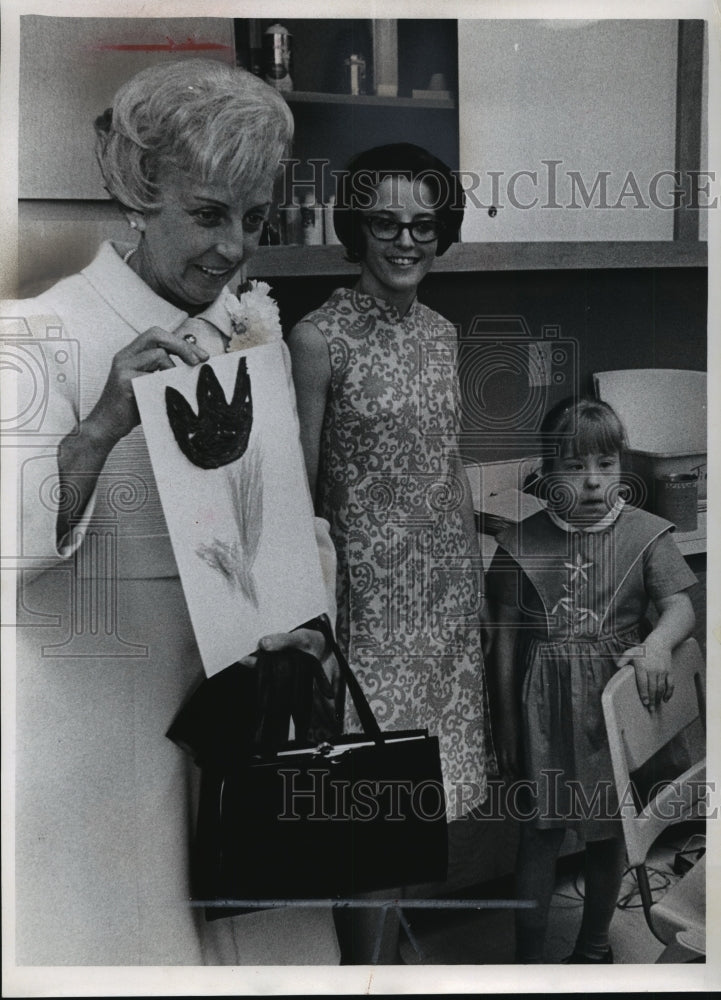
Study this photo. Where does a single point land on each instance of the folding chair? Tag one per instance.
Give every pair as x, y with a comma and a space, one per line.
635, 734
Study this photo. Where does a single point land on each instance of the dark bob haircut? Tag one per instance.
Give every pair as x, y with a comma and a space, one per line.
354, 192
578, 427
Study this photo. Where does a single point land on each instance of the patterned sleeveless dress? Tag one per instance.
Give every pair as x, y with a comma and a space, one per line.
408, 586
584, 594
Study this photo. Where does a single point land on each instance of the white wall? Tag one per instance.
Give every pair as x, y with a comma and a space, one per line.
597, 95
70, 69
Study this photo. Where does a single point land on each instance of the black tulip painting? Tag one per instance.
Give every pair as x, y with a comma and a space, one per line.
218, 434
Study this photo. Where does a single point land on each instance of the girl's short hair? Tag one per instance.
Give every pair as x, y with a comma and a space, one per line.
354, 192
581, 426
208, 119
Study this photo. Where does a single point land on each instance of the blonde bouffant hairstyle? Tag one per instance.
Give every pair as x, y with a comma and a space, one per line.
206, 118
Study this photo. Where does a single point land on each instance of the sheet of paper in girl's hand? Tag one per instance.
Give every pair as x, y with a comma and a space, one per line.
223, 442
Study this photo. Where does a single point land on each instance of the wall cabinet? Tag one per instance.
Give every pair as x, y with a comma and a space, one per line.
606, 96
569, 128
574, 139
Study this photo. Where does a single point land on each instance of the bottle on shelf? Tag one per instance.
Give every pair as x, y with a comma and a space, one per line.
255, 47
311, 218
291, 232
355, 74
277, 46
309, 223
329, 228
385, 57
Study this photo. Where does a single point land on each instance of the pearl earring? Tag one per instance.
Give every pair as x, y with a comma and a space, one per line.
133, 224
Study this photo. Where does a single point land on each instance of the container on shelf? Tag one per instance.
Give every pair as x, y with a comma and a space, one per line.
291, 230
311, 218
255, 47
652, 465
385, 57
277, 48
328, 226
437, 89
676, 499
355, 74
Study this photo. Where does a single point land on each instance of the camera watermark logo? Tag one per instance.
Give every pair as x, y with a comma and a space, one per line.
40, 406
33, 361
507, 376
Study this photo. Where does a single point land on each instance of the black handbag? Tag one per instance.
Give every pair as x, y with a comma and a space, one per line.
306, 821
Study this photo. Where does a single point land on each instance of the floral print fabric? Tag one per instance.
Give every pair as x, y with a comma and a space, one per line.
408, 586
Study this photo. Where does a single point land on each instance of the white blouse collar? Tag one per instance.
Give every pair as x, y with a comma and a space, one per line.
606, 521
136, 302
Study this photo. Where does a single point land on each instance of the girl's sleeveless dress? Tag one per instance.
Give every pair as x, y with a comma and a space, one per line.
408, 585
584, 594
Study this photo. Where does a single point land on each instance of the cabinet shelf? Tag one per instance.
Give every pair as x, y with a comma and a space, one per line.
368, 100
301, 261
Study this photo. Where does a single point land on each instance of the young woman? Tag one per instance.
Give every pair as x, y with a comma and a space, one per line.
378, 403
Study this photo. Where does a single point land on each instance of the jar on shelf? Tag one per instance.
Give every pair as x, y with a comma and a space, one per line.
277, 49
311, 219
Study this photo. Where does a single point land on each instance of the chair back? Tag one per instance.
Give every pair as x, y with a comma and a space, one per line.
635, 734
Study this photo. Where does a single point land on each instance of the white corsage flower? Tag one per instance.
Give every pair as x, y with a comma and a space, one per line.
254, 317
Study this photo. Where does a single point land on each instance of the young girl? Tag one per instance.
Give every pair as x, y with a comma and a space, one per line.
570, 587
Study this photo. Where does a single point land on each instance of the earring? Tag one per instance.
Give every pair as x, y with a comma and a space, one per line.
133, 224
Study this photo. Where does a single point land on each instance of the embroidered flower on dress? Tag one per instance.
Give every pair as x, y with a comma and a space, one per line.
570, 608
254, 317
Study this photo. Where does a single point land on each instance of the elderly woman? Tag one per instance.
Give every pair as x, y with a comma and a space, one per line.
378, 406
105, 801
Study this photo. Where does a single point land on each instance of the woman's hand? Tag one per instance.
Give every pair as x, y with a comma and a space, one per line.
653, 666
307, 640
116, 413
83, 453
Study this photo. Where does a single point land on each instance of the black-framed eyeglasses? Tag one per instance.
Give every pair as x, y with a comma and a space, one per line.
383, 227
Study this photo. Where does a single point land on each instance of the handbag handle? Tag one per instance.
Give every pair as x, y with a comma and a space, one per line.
365, 712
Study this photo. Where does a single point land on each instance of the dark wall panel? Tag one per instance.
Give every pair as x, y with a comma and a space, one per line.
639, 318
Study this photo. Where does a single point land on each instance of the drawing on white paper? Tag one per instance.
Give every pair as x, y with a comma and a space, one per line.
224, 444
215, 436
234, 558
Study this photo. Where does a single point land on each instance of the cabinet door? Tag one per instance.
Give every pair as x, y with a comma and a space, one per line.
575, 114
70, 69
